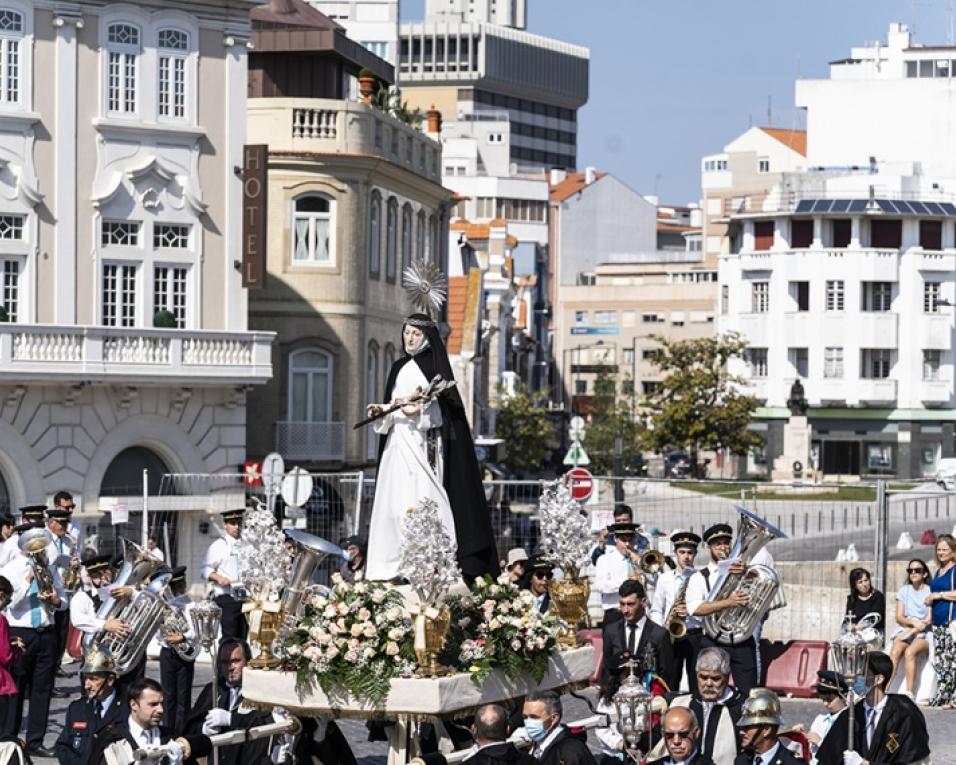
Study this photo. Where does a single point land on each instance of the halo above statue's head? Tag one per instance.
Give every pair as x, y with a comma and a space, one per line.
427, 289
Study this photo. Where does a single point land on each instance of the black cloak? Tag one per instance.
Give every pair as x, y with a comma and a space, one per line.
477, 554
900, 735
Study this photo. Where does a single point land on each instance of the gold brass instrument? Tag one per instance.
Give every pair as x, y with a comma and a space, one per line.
759, 583
674, 623
652, 562
35, 543
174, 623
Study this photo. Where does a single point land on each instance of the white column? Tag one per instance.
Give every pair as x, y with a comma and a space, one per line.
64, 197
236, 299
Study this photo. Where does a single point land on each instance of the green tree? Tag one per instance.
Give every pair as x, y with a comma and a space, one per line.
699, 405
522, 422
614, 413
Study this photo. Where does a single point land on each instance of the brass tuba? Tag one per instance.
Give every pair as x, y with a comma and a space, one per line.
734, 625
174, 623
310, 551
34, 543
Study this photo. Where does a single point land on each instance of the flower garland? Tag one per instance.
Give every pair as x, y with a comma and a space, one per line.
358, 638
565, 531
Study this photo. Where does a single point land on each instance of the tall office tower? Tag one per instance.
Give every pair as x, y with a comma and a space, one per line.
507, 13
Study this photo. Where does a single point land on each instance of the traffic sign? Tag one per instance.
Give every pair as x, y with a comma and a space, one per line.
273, 468
297, 487
252, 473
576, 455
580, 482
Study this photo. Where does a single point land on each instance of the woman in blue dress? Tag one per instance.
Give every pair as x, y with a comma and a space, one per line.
942, 600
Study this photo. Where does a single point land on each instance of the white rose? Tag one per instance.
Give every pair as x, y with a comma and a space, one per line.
329, 612
364, 614
343, 609
356, 630
360, 588
369, 653
494, 624
391, 648
351, 657
393, 614
337, 578
378, 597
395, 633
516, 645
331, 652
370, 631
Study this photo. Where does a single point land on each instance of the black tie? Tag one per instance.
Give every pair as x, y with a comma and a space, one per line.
97, 708
631, 638
95, 597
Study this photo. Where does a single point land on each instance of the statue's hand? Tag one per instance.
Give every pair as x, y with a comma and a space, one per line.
373, 410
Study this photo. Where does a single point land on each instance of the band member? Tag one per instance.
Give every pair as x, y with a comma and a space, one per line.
889, 727
622, 514
86, 602
90, 718
759, 724
743, 655
8, 540
636, 636
617, 566
176, 672
670, 584
540, 574
221, 568
32, 629
62, 554
680, 733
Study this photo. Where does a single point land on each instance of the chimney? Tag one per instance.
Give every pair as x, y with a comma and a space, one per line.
558, 175
590, 175
434, 120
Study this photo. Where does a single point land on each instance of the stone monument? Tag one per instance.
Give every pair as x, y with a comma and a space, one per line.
794, 463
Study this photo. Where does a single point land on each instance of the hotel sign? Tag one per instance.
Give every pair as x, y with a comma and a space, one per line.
254, 215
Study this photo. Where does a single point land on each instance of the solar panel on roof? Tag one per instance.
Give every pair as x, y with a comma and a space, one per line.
948, 208
885, 206
919, 208
840, 205
804, 206
822, 205
934, 209
858, 205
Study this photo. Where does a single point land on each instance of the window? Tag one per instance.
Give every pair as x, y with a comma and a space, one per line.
171, 236
485, 207
312, 230
371, 391
375, 236
763, 235
841, 231
724, 298
757, 360
10, 288
834, 294
931, 362
801, 234
420, 237
580, 317
876, 363
580, 387
931, 234
652, 318
379, 48
433, 244
11, 34
605, 317
652, 355
169, 292
119, 295
886, 233
11, 227
388, 359
800, 294
120, 233
521, 210
799, 360
833, 363
122, 63
931, 297
627, 356
173, 51
876, 296
760, 297
763, 165
650, 386
391, 238
406, 236
310, 386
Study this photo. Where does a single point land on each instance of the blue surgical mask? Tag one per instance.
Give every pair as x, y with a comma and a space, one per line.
535, 729
859, 686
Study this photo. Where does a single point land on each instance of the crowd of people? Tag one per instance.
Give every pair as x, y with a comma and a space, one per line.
653, 622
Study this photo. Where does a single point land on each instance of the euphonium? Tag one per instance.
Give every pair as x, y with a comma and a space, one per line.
674, 623
174, 623
310, 551
760, 583
34, 543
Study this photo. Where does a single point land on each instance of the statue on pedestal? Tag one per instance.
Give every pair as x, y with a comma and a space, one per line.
797, 403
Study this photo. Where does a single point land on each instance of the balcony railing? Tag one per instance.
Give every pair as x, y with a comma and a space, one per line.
313, 441
935, 392
28, 352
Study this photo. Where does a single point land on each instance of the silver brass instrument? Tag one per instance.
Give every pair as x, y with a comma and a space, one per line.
143, 611
35, 543
675, 624
760, 583
174, 623
310, 551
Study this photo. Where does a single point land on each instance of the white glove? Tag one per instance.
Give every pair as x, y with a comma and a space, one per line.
851, 758
174, 753
215, 718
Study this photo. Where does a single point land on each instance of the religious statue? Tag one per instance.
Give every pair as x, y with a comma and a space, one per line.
426, 449
797, 401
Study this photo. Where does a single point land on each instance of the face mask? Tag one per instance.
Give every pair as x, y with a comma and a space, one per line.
859, 686
535, 729
349, 554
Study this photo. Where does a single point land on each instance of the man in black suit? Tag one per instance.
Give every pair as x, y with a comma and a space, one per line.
680, 733
889, 728
490, 732
552, 742
94, 716
636, 636
758, 724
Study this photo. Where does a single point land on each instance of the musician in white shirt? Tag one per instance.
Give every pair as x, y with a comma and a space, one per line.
616, 566
221, 568
669, 585
8, 540
86, 602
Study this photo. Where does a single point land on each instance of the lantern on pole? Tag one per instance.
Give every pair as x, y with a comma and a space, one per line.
632, 702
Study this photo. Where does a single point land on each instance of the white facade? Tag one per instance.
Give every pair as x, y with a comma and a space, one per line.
372, 23
506, 13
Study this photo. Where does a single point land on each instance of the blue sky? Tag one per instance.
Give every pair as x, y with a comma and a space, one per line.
672, 80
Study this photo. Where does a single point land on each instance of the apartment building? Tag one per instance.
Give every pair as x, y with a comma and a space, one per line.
371, 23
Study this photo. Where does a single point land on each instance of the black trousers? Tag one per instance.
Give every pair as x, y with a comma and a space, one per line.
8, 718
34, 671
743, 662
176, 677
125, 681
685, 655
233, 622
62, 621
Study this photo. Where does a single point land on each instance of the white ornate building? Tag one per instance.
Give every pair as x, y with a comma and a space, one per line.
120, 128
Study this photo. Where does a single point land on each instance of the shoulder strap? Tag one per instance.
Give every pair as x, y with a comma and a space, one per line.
705, 572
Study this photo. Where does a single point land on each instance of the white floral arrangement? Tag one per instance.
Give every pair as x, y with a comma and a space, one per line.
565, 529
264, 564
429, 556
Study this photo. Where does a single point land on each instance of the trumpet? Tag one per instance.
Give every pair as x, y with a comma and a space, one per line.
652, 562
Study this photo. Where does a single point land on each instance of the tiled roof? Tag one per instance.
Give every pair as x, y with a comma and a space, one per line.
675, 228
794, 139
570, 186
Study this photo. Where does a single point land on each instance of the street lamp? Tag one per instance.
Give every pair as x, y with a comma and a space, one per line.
632, 702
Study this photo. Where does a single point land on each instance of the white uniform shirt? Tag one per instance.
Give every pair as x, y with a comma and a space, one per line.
9, 549
83, 613
698, 587
668, 583
611, 570
19, 610
222, 557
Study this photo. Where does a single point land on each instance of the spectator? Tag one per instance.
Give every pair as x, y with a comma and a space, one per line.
553, 742
942, 599
540, 574
490, 731
680, 732
8, 690
912, 614
353, 569
514, 568
153, 549
863, 600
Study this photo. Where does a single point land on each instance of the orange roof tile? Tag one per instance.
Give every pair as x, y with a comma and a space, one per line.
457, 299
676, 228
794, 139
472, 230
570, 186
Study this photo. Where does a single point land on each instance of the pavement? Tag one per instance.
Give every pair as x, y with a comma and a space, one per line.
941, 724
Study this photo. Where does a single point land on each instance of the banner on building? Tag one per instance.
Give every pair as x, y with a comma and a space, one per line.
255, 214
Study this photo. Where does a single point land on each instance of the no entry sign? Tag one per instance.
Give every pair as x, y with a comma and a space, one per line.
580, 482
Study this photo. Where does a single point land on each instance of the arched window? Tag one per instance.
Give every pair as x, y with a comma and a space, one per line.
420, 237
406, 236
173, 45
375, 236
312, 230
310, 386
388, 358
11, 61
123, 47
391, 239
371, 391
433, 244
5, 501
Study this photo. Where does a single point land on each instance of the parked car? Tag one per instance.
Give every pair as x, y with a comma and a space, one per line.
946, 474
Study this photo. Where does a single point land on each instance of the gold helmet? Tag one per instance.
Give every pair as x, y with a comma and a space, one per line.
98, 659
762, 707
